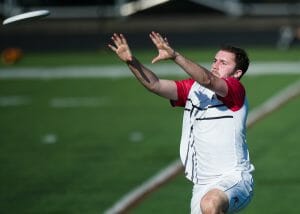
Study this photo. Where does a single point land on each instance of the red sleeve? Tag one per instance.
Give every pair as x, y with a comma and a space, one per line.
235, 96
183, 89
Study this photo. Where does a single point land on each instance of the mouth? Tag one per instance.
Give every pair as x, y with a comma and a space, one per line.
215, 73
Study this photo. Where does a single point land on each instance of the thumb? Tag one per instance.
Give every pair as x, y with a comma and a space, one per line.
156, 59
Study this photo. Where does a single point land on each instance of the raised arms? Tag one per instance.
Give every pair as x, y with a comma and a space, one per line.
164, 88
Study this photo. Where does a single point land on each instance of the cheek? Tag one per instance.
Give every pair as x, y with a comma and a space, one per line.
226, 70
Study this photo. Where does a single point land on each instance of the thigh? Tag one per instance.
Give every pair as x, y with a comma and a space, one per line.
240, 191
238, 188
213, 191
198, 192
214, 201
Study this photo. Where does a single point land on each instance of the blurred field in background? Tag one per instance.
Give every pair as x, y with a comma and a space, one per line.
78, 145
105, 57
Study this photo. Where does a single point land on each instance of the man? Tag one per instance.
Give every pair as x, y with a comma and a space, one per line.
213, 145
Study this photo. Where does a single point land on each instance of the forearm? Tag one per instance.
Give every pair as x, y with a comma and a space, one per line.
201, 75
145, 76
196, 71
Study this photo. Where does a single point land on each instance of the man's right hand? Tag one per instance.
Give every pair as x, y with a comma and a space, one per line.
121, 47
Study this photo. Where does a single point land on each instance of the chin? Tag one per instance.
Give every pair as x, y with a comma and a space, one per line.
216, 74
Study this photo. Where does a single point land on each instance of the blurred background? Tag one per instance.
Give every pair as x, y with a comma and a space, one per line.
86, 25
77, 132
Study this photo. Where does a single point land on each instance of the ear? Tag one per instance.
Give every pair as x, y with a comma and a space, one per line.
237, 74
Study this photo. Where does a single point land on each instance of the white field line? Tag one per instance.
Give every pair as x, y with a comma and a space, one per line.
10, 101
75, 102
137, 195
273, 103
58, 102
121, 71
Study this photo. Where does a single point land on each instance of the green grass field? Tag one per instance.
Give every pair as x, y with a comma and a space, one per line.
81, 158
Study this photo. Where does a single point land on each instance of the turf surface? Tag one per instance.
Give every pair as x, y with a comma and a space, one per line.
82, 158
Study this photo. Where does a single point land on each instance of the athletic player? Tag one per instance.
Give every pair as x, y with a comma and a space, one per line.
213, 145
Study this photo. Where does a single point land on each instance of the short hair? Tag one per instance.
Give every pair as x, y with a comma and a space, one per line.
241, 57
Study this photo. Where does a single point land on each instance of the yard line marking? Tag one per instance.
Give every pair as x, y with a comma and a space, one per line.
130, 199
74, 102
61, 102
274, 103
135, 196
121, 71
11, 101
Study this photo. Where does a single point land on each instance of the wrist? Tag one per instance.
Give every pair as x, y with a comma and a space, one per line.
129, 60
174, 55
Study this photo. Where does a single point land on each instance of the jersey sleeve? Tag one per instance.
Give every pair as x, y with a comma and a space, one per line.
235, 97
183, 89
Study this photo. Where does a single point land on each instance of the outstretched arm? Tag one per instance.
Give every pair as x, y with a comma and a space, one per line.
202, 75
164, 88
197, 72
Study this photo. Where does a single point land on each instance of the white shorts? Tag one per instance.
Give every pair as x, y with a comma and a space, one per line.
238, 187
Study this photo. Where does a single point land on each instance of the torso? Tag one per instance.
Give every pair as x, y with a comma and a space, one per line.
213, 139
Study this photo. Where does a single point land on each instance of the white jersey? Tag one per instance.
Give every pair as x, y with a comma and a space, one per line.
213, 141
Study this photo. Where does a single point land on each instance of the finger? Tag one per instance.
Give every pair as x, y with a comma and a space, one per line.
117, 37
113, 48
154, 40
159, 37
155, 35
114, 40
117, 40
152, 35
166, 40
123, 40
155, 60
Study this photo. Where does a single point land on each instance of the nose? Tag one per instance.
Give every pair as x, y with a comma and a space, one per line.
215, 65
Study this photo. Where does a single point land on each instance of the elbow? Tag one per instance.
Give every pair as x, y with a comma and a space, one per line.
216, 84
207, 82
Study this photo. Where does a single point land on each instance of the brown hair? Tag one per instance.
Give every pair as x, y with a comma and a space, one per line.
241, 57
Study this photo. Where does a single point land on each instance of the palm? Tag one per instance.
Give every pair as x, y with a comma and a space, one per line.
123, 52
121, 47
162, 53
